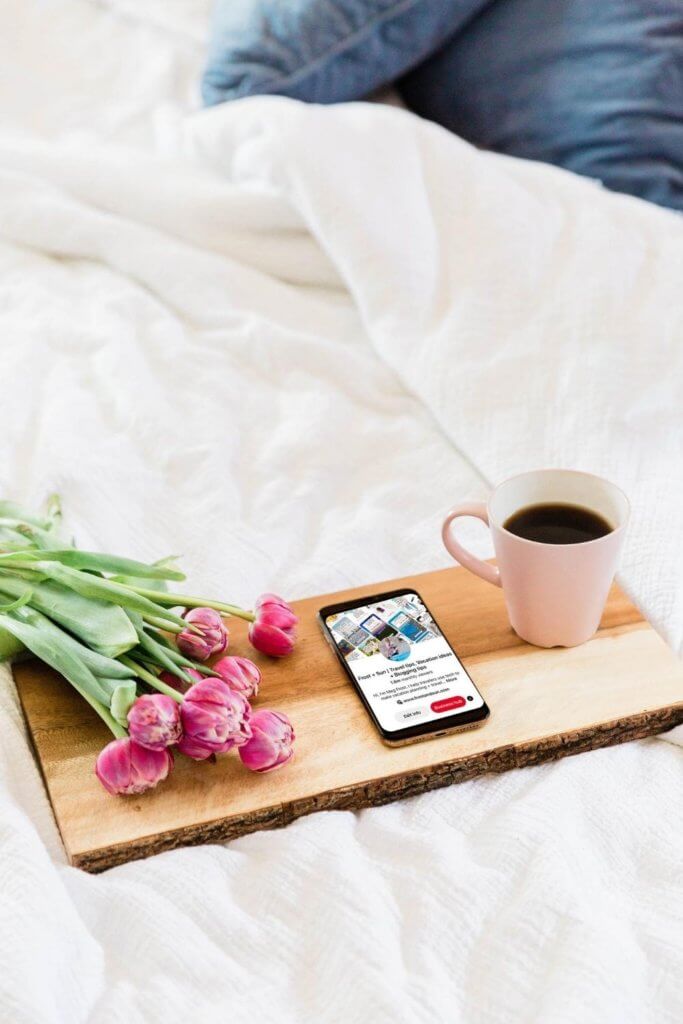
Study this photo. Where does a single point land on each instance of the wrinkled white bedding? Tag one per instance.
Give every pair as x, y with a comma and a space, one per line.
282, 341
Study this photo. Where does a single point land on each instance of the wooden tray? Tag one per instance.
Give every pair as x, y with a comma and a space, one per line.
622, 685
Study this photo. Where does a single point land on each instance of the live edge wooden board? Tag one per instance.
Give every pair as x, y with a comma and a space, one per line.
622, 685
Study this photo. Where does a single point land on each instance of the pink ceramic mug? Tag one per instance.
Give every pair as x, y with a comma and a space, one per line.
555, 593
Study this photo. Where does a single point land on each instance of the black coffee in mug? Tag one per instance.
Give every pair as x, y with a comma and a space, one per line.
557, 523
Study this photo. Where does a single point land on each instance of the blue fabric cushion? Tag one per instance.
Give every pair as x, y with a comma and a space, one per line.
592, 85
324, 51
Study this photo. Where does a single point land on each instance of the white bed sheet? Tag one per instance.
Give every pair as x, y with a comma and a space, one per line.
281, 341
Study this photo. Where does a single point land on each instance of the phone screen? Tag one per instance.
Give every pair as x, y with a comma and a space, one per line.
405, 667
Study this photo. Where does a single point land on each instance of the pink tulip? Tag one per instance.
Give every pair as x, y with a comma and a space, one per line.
126, 767
240, 674
214, 719
271, 743
273, 632
154, 721
212, 637
171, 680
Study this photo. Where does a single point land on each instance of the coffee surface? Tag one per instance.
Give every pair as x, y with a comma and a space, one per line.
557, 524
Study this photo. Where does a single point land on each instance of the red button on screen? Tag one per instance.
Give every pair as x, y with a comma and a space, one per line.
448, 704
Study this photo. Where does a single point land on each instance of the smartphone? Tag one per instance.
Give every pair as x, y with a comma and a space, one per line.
408, 676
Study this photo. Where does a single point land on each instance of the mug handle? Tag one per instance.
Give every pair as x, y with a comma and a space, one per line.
478, 509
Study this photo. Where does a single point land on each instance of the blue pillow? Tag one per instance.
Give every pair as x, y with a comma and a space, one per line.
592, 85
324, 51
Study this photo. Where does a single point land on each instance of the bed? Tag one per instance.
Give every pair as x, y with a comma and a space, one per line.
282, 340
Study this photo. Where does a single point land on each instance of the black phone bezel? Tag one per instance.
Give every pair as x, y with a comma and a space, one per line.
420, 730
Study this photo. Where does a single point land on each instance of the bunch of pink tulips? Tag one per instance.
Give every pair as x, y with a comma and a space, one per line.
209, 714
113, 629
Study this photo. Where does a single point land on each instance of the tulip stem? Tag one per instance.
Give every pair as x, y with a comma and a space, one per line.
149, 677
105, 715
168, 627
186, 601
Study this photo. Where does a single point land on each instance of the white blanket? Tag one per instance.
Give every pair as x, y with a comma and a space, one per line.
282, 341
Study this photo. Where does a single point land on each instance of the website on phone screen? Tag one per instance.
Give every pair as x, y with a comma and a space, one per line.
402, 662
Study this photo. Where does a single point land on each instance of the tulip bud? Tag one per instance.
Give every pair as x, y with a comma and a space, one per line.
273, 631
177, 683
154, 721
214, 719
212, 637
271, 743
240, 674
125, 767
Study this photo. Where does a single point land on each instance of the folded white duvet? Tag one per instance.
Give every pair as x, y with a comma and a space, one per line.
538, 317
282, 344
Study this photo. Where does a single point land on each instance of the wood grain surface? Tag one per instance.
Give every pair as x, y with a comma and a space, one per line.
622, 685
